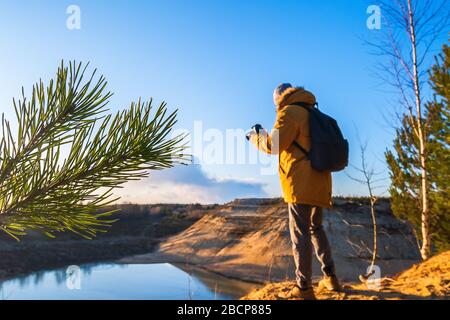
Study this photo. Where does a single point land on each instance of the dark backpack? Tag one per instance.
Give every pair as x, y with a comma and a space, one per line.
329, 149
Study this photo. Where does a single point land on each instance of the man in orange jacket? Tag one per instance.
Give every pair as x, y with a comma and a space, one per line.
305, 190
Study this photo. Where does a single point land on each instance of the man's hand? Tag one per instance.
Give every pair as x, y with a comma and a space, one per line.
255, 130
259, 137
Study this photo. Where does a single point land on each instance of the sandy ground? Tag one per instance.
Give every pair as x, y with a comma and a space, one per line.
428, 280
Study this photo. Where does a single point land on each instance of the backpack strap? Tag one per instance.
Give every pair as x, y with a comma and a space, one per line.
301, 149
307, 107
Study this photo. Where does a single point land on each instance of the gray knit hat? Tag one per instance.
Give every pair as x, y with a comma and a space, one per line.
279, 90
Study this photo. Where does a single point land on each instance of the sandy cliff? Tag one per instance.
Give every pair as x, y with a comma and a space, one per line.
248, 239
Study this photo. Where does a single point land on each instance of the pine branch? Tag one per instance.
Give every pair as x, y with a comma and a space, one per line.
42, 190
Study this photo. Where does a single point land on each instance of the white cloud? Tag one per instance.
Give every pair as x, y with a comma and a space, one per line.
187, 184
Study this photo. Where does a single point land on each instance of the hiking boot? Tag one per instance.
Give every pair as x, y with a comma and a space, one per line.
331, 283
298, 294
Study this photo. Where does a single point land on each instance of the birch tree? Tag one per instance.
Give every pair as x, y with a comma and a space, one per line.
410, 29
404, 166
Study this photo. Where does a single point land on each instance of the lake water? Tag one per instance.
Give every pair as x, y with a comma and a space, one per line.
122, 282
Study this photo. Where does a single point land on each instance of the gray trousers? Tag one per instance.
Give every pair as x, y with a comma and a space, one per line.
305, 225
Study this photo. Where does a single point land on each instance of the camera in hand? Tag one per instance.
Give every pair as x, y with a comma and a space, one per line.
257, 127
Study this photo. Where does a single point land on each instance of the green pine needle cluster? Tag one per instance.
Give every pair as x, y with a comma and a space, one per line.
59, 168
404, 163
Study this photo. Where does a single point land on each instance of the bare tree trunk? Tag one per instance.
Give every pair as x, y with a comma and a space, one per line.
426, 244
373, 200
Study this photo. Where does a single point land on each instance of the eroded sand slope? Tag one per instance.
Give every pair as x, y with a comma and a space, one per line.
249, 239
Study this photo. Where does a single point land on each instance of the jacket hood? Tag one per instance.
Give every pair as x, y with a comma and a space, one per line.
293, 95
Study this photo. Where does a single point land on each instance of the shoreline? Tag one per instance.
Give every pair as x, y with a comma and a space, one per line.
50, 255
139, 229
219, 239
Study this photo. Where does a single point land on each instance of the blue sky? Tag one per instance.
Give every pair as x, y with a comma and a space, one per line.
218, 61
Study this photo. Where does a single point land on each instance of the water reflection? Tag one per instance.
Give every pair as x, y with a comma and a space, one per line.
121, 281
